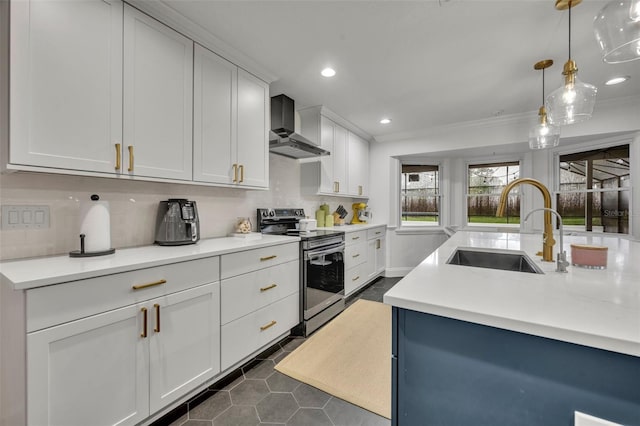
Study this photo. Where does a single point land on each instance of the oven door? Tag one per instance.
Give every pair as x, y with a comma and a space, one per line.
323, 278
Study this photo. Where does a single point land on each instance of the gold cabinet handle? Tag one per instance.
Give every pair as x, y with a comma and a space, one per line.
355, 238
356, 278
359, 189
118, 156
144, 323
271, 324
130, 158
241, 167
235, 173
336, 186
377, 244
269, 287
153, 284
157, 327
356, 255
262, 259
378, 232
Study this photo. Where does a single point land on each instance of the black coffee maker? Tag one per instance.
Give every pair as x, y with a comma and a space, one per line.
177, 222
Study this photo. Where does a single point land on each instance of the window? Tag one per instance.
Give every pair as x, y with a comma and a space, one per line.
595, 189
485, 183
420, 195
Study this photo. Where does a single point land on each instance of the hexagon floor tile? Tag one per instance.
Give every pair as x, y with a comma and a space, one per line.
259, 395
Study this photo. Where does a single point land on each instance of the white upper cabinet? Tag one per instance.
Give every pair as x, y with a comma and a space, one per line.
253, 125
214, 120
230, 123
345, 172
358, 165
66, 84
158, 99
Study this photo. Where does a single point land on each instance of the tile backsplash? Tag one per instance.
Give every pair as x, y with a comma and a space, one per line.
133, 206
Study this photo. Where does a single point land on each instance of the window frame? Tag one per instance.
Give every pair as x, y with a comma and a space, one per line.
491, 160
411, 226
556, 153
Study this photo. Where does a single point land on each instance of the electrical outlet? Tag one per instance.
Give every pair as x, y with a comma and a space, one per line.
582, 419
25, 217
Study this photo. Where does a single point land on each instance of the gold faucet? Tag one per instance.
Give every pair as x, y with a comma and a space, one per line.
547, 236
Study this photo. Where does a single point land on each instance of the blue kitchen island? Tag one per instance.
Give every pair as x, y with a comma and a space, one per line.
480, 346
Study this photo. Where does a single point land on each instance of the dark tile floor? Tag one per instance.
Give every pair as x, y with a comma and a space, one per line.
259, 395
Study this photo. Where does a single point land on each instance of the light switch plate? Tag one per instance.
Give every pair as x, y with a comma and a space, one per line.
582, 419
25, 217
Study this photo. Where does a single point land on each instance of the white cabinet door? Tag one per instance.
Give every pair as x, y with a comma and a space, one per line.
93, 371
376, 257
358, 154
66, 84
339, 155
184, 342
158, 95
253, 125
214, 117
326, 162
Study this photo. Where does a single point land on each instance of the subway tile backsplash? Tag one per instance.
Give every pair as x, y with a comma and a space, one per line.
133, 206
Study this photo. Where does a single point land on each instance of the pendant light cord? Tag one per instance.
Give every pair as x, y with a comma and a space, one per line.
570, 5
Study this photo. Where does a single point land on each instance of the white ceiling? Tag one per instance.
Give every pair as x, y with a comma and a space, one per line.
422, 63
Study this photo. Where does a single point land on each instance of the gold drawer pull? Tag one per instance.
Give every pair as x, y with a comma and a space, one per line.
144, 323
359, 189
378, 232
262, 259
356, 278
157, 327
130, 158
269, 287
355, 238
153, 284
118, 156
241, 167
271, 324
377, 244
356, 255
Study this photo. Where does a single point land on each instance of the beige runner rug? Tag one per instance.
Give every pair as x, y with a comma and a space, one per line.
349, 358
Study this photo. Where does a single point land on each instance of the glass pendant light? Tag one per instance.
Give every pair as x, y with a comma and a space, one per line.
543, 135
574, 101
617, 30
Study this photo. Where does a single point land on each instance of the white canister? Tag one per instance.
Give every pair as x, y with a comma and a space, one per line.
307, 225
95, 225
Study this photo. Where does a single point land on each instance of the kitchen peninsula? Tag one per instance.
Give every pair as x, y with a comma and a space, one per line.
490, 347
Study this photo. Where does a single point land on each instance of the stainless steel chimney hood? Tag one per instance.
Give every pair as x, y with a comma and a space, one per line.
282, 139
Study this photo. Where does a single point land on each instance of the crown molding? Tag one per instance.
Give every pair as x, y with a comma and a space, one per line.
164, 13
506, 120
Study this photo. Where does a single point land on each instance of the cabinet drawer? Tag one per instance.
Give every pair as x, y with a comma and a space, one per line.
355, 237
251, 260
355, 254
380, 232
246, 293
48, 306
354, 278
245, 335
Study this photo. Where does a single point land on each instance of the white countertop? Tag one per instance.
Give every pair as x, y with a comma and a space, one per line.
37, 272
597, 308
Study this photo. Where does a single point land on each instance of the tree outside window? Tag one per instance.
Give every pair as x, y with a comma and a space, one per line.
594, 190
420, 195
485, 183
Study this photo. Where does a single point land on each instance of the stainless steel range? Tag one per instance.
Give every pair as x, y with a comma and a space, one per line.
321, 267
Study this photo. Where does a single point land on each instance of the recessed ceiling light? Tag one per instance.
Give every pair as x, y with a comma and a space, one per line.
617, 80
385, 121
328, 72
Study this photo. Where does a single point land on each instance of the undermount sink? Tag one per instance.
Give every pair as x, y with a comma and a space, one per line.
507, 260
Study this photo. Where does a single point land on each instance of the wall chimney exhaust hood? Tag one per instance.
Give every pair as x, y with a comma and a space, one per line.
282, 139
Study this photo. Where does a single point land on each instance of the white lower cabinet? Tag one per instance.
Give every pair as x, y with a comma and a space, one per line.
260, 299
121, 366
365, 257
376, 255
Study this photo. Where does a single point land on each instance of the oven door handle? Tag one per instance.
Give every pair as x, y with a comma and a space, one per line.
324, 252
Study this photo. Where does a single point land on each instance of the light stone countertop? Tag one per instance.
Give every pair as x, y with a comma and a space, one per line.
353, 228
37, 272
597, 308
